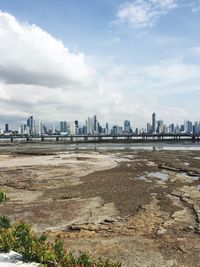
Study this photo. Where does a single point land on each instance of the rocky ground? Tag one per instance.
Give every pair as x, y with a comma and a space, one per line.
136, 206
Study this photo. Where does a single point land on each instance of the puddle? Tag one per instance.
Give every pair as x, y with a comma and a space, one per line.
190, 177
160, 175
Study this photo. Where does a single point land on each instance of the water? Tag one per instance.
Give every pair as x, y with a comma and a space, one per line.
191, 177
12, 147
156, 146
160, 175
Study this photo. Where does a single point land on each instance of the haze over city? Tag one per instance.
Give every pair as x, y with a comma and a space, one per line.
62, 60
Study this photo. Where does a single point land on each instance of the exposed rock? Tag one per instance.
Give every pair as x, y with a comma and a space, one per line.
98, 205
161, 231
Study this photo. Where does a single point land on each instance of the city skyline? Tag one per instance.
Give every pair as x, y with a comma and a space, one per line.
92, 126
117, 59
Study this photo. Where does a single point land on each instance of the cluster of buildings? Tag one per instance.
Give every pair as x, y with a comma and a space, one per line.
158, 126
91, 126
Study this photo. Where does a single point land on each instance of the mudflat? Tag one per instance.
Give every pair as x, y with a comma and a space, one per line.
140, 207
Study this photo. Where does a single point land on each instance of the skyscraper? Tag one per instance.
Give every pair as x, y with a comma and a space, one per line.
127, 126
63, 127
154, 123
149, 127
30, 124
107, 128
188, 127
76, 127
6, 128
95, 123
160, 126
89, 125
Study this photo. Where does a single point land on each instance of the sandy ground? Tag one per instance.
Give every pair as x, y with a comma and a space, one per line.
139, 207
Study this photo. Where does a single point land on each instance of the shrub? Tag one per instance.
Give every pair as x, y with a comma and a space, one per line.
4, 222
3, 197
23, 240
20, 238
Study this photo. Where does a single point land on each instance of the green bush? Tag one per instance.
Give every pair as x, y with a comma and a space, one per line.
23, 240
20, 238
3, 197
6, 239
4, 222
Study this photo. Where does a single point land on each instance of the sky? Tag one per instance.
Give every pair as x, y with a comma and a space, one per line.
70, 59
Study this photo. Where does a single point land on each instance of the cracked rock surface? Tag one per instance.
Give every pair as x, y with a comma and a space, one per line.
135, 206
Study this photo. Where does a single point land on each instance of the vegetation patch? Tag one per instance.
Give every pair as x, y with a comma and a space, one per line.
22, 239
3, 197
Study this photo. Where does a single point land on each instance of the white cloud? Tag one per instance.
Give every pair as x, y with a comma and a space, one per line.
144, 13
196, 51
40, 76
30, 55
172, 71
195, 6
169, 112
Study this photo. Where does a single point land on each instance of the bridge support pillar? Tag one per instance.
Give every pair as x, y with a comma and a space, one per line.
128, 138
193, 139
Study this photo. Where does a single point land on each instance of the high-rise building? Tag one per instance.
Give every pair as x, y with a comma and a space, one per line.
24, 129
63, 127
95, 124
149, 127
171, 128
6, 127
76, 127
71, 128
84, 131
38, 127
30, 125
196, 127
107, 128
89, 126
160, 127
117, 130
188, 128
127, 126
154, 123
